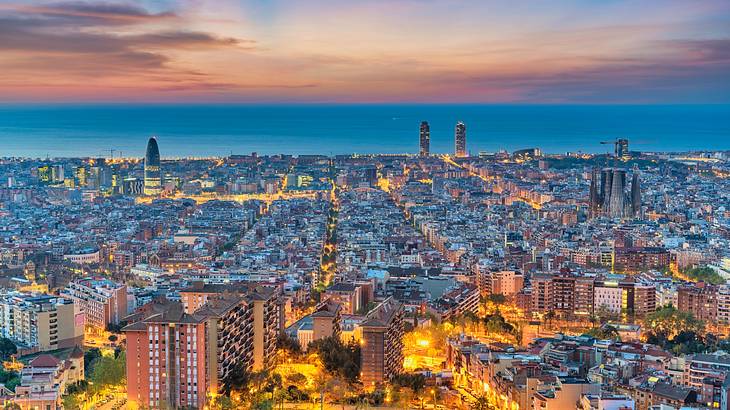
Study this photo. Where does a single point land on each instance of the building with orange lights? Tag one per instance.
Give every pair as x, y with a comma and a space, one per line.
382, 343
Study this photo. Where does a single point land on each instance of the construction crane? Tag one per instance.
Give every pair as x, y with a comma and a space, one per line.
615, 145
620, 147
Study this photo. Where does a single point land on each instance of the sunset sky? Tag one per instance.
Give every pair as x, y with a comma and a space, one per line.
597, 51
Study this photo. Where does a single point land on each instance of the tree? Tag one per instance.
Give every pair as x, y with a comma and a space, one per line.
10, 379
289, 344
414, 381
253, 388
72, 401
115, 327
7, 348
470, 316
704, 274
604, 314
549, 316
337, 357
296, 379
90, 356
606, 332
12, 406
237, 379
667, 322
678, 331
497, 298
109, 371
331, 388
495, 323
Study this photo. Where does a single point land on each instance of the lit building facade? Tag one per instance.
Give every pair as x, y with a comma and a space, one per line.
382, 343
40, 322
460, 140
167, 362
102, 301
424, 140
152, 170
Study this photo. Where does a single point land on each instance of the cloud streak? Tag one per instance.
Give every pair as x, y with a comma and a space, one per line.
350, 52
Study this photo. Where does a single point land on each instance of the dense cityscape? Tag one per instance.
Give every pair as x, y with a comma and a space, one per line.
489, 280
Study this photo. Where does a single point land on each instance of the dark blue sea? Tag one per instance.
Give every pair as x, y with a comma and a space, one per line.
206, 130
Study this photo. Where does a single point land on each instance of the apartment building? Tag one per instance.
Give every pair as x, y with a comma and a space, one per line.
229, 337
637, 259
45, 379
266, 313
102, 301
574, 295
40, 322
700, 299
348, 295
175, 357
382, 343
564, 393
167, 358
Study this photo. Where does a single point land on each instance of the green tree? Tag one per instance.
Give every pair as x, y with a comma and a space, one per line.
10, 379
667, 322
337, 357
289, 344
704, 274
90, 357
238, 379
109, 371
12, 406
7, 348
495, 323
497, 298
606, 332
72, 401
222, 403
415, 383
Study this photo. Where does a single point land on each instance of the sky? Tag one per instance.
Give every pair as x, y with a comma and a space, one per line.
366, 51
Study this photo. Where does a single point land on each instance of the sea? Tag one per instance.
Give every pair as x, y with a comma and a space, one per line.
197, 130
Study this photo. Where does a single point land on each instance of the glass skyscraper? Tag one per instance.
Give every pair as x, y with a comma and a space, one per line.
424, 141
152, 171
460, 140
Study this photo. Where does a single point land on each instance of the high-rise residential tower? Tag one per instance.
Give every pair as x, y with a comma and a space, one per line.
382, 343
622, 148
460, 139
152, 171
424, 140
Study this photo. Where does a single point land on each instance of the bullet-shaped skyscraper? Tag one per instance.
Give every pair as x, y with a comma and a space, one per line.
460, 140
152, 170
424, 139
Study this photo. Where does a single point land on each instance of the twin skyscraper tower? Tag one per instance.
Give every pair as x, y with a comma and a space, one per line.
459, 140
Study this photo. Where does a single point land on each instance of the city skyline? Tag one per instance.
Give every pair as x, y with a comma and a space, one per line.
381, 204
402, 51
